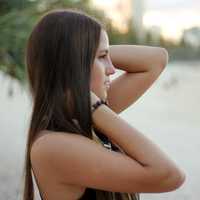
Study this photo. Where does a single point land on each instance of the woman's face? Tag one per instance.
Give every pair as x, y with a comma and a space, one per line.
102, 68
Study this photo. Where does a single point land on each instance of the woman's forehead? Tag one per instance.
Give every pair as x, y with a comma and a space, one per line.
104, 42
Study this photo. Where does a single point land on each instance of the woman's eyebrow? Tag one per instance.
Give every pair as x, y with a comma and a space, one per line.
104, 50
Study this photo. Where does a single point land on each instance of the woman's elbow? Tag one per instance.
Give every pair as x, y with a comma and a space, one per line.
178, 179
160, 60
162, 57
173, 180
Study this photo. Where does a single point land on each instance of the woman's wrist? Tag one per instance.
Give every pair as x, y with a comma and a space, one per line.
96, 101
97, 104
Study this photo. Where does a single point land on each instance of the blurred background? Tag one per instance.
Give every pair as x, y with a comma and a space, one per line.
168, 113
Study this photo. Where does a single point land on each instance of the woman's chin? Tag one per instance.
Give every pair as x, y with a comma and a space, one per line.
102, 94
105, 95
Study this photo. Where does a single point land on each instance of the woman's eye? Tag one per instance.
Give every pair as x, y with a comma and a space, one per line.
103, 56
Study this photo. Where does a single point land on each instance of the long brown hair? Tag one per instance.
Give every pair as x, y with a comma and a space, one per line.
59, 56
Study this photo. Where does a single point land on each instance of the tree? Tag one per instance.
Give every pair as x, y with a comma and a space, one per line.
16, 21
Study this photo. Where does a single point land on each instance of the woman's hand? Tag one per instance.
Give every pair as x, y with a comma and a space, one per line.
94, 97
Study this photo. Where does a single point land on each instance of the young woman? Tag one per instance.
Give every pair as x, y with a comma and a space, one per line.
69, 62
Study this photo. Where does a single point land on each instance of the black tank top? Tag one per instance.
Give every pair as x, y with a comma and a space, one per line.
95, 194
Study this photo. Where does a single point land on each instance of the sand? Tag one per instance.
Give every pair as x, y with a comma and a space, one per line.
168, 113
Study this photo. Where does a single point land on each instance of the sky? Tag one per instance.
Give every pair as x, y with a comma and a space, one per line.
173, 5
172, 16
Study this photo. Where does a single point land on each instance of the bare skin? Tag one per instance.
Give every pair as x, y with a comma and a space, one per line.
142, 65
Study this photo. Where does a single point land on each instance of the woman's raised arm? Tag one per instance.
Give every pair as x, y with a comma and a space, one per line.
142, 64
80, 161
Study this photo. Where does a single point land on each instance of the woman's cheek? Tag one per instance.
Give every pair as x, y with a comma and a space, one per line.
97, 84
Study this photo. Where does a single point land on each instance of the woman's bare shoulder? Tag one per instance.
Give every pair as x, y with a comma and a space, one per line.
79, 160
46, 137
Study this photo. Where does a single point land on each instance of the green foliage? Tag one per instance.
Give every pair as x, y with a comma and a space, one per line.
15, 27
16, 21
17, 18
15, 24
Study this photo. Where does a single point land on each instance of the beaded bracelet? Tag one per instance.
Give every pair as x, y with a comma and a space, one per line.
97, 104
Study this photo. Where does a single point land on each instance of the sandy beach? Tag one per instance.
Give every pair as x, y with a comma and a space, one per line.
168, 113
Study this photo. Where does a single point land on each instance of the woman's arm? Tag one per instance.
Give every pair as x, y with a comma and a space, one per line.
143, 65
78, 160
161, 171
138, 58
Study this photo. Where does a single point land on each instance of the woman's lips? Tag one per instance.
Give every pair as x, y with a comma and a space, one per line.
107, 84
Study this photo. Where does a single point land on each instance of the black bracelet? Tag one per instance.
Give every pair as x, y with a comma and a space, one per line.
97, 104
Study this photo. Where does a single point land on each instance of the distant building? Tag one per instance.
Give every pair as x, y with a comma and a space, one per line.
119, 11
137, 15
191, 37
153, 34
122, 15
123, 11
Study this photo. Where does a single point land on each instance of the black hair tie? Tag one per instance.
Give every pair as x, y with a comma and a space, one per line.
97, 104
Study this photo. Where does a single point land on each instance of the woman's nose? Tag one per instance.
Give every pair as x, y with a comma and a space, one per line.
110, 69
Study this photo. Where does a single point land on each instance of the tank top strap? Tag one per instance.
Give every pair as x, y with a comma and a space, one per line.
36, 181
100, 140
